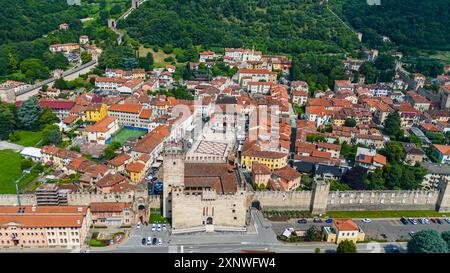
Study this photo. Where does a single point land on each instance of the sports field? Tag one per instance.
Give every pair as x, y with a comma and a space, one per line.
125, 134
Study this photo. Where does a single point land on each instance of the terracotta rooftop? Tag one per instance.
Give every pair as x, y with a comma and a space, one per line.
126, 108
345, 225
220, 177
109, 206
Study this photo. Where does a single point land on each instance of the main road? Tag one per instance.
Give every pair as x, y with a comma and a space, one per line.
262, 237
68, 75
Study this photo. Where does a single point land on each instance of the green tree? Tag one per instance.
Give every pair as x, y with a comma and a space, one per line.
446, 236
109, 151
26, 163
370, 72
427, 241
312, 234
47, 117
28, 114
60, 84
355, 178
34, 69
346, 246
7, 121
392, 125
55, 61
54, 137
85, 57
350, 122
394, 151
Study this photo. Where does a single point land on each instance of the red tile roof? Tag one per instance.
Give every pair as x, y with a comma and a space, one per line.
57, 104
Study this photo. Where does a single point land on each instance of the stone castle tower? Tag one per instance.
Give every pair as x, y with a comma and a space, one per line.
319, 198
173, 174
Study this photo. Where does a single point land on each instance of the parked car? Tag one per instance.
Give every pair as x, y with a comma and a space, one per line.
414, 221
433, 220
412, 233
302, 221
404, 221
153, 179
447, 220
138, 225
164, 227
317, 220
159, 241
366, 220
329, 221
144, 241
149, 240
392, 249
154, 241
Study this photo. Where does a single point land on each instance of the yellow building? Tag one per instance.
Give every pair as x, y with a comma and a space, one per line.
343, 229
273, 160
96, 112
339, 121
136, 171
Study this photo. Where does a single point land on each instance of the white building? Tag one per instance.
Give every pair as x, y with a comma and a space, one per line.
33, 153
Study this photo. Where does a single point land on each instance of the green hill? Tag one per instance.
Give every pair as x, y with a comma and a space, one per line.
420, 24
288, 26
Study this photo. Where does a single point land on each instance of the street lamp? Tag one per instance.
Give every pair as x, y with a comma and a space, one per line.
17, 186
25, 172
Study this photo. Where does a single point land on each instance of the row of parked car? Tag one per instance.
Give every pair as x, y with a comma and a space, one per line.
315, 220
424, 221
151, 241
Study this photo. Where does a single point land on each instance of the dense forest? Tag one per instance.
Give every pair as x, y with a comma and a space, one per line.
26, 20
412, 23
28, 28
278, 26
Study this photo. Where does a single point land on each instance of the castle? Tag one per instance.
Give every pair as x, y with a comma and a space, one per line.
202, 196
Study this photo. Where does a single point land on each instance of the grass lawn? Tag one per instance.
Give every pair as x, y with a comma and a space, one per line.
125, 134
385, 214
158, 57
29, 138
155, 216
10, 171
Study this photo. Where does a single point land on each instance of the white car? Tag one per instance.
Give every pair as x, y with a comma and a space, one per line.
164, 227
153, 227
138, 225
366, 220
149, 240
159, 241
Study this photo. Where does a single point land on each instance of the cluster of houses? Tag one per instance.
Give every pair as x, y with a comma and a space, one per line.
323, 127
273, 143
72, 50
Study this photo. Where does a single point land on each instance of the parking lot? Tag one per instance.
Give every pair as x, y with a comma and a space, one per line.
137, 234
377, 229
